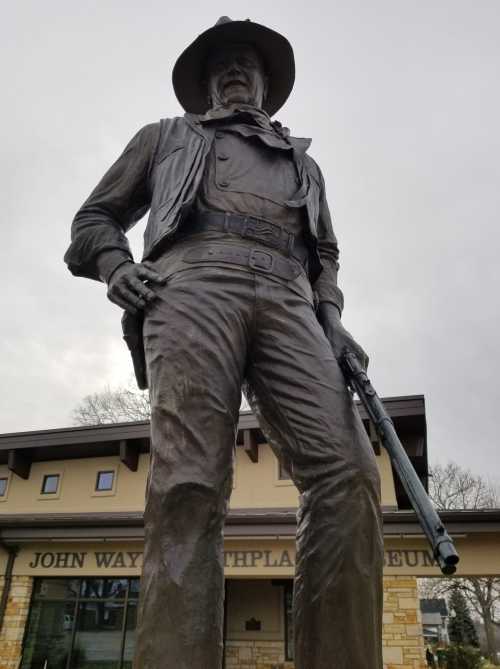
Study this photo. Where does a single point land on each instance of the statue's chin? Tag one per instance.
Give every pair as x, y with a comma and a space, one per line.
241, 98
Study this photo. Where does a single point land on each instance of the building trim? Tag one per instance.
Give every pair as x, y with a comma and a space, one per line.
239, 523
114, 433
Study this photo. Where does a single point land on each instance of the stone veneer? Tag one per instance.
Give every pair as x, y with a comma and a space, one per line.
402, 639
256, 655
14, 622
403, 646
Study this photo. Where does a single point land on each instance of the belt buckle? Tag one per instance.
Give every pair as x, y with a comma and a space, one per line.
261, 261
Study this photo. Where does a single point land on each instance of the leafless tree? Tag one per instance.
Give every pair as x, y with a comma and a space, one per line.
453, 487
118, 405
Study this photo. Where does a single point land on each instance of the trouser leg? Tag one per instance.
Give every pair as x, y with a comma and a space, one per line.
195, 340
303, 406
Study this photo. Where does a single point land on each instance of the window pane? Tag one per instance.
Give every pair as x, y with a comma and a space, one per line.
57, 588
105, 481
48, 636
104, 588
283, 472
50, 483
3, 487
99, 636
134, 588
128, 654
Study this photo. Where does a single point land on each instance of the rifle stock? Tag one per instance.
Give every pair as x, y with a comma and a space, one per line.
440, 541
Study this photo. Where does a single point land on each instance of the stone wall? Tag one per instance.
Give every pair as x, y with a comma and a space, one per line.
256, 655
14, 622
403, 644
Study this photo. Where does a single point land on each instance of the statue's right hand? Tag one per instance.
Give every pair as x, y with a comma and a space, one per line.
127, 289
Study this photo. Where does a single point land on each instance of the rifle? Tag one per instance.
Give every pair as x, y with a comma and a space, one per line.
441, 543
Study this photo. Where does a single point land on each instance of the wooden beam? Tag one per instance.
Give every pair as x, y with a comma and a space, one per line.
250, 445
19, 463
129, 455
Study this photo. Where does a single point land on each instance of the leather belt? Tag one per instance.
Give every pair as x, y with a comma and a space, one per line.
257, 259
248, 227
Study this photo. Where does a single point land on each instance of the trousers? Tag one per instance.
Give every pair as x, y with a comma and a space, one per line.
211, 331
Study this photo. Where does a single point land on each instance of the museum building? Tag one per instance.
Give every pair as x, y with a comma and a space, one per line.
71, 542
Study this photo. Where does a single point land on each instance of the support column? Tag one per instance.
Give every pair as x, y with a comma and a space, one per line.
403, 641
14, 623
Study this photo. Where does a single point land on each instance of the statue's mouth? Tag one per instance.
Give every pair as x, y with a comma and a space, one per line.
233, 83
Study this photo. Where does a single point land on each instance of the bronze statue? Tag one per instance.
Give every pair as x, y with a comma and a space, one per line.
238, 288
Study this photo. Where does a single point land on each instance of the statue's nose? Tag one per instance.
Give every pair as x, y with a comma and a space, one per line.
234, 69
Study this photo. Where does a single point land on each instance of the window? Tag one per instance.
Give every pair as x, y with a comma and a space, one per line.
3, 486
283, 474
50, 484
105, 481
81, 624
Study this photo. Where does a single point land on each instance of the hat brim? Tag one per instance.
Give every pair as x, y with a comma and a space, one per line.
276, 50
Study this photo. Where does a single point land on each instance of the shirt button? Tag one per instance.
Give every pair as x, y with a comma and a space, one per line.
224, 184
222, 156
219, 134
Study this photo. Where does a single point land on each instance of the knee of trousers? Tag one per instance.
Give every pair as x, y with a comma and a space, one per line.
343, 485
186, 506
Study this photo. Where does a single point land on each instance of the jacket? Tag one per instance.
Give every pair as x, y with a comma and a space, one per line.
161, 170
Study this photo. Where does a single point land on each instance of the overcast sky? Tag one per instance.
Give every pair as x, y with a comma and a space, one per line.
402, 101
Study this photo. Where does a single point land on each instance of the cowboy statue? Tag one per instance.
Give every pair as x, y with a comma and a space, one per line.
238, 288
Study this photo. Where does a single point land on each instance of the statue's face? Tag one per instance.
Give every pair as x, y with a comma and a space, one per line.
236, 73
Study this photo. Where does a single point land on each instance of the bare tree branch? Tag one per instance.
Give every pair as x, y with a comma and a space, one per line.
453, 487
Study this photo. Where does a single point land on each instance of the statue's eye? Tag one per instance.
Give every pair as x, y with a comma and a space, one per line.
219, 65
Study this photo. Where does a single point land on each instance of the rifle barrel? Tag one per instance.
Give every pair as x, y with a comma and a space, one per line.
441, 543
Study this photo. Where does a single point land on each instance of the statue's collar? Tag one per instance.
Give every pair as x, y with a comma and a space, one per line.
258, 116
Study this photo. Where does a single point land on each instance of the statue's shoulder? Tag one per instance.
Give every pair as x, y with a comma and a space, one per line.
313, 168
178, 128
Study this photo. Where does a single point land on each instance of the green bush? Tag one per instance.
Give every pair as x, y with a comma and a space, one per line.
462, 657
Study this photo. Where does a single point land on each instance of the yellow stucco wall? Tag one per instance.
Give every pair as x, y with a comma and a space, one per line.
256, 485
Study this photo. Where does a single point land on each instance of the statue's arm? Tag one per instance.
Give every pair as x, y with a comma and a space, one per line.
98, 241
325, 287
329, 296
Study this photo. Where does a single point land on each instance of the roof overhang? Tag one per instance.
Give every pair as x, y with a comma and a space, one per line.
22, 528
128, 440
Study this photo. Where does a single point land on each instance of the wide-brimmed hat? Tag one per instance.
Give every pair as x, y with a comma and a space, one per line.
276, 50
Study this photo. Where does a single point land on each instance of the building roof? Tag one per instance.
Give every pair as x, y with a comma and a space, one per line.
19, 449
434, 605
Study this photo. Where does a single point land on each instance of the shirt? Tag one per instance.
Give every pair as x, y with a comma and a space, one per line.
251, 170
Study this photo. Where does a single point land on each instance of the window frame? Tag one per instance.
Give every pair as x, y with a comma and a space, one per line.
108, 492
54, 493
6, 478
288, 593
279, 471
98, 476
76, 602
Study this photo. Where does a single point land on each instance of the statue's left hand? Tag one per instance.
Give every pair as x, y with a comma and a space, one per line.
340, 339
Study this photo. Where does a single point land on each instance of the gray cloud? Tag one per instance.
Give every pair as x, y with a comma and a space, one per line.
402, 102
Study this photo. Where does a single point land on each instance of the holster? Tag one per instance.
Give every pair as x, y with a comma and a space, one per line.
132, 334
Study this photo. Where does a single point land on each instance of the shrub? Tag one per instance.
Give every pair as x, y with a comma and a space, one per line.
462, 657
